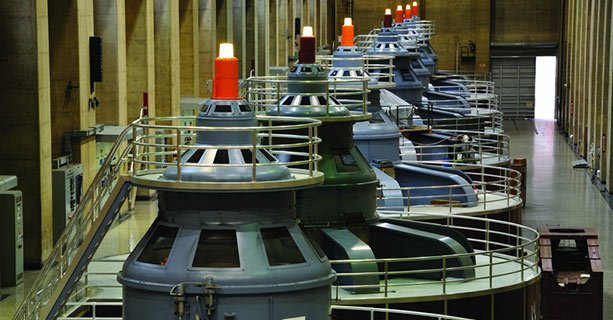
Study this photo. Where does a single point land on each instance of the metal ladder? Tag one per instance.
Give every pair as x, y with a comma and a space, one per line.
81, 237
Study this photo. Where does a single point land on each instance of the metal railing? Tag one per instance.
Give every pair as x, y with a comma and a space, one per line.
425, 28
454, 75
154, 145
410, 41
266, 92
369, 313
463, 147
479, 94
365, 313
162, 145
485, 120
379, 68
466, 88
70, 241
502, 250
497, 190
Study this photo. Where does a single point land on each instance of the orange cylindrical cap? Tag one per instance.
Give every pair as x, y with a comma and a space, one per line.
415, 10
399, 15
407, 12
225, 81
347, 36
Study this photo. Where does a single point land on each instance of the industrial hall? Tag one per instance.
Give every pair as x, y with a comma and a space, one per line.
306, 160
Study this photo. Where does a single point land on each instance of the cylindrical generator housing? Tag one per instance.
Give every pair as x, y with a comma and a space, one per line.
226, 256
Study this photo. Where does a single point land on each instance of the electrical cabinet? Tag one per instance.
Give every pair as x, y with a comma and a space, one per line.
67, 190
11, 233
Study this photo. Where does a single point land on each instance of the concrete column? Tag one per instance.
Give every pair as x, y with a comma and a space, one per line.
140, 57
26, 95
283, 31
609, 105
590, 89
605, 99
189, 47
86, 152
110, 24
482, 34
273, 49
239, 34
569, 62
167, 62
261, 37
208, 42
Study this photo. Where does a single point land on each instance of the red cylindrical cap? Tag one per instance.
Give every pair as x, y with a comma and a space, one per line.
225, 82
415, 9
407, 12
387, 19
399, 15
306, 55
348, 33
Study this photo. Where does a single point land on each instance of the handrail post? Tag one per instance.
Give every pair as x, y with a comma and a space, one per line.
316, 148
134, 151
270, 132
310, 151
253, 154
450, 197
506, 187
327, 98
364, 97
278, 98
385, 276
178, 145
484, 194
444, 275
491, 267
408, 199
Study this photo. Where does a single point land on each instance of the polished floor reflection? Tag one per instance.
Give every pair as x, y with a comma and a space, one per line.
559, 194
121, 239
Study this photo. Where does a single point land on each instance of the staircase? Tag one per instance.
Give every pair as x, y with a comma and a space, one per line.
81, 237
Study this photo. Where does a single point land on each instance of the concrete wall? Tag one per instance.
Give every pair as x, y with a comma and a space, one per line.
26, 121
587, 89
458, 22
526, 21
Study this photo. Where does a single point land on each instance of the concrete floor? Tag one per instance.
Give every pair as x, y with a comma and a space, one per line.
557, 194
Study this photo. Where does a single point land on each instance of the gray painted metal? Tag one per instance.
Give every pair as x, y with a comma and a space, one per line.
342, 244
226, 113
514, 79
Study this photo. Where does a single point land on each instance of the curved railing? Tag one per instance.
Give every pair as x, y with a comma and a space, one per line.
479, 94
379, 68
410, 41
266, 92
367, 313
162, 145
503, 250
462, 147
459, 75
479, 119
495, 187
150, 145
425, 28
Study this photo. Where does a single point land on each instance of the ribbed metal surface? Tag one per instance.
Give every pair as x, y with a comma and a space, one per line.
514, 79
